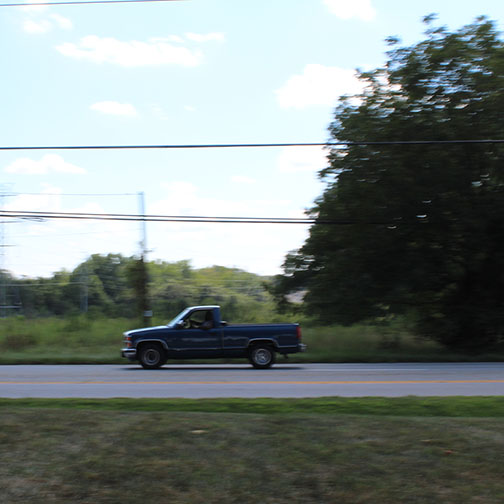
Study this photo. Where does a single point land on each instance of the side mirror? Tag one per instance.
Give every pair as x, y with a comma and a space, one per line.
179, 325
223, 323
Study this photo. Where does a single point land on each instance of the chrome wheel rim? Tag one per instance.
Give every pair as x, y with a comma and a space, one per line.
151, 357
262, 356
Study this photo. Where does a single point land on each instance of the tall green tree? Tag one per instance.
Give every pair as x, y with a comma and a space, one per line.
101, 283
139, 280
419, 228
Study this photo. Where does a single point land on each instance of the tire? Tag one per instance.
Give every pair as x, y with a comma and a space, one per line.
152, 356
262, 356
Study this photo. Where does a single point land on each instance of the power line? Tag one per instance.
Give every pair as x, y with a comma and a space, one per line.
177, 218
80, 2
70, 194
252, 145
167, 146
153, 218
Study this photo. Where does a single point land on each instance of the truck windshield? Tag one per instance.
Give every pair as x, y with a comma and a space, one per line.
178, 318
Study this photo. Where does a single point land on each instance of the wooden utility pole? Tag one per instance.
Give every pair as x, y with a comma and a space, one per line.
144, 301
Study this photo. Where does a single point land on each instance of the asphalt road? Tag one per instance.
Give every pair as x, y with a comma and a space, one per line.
283, 380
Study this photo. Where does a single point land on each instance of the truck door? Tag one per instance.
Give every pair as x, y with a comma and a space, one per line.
199, 338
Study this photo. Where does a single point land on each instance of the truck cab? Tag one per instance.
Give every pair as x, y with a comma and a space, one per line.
198, 332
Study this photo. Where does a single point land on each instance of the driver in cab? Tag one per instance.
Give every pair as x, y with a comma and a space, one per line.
201, 319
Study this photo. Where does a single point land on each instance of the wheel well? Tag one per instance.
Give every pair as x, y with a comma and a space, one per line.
269, 343
142, 343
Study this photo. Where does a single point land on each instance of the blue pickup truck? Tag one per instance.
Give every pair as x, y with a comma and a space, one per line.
199, 333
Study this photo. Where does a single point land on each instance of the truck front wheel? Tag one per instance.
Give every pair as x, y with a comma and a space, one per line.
262, 356
151, 356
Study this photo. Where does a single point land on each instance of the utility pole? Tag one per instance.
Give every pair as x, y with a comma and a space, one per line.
144, 287
3, 272
143, 232
84, 280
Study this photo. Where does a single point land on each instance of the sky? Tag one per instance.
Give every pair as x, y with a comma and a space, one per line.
182, 72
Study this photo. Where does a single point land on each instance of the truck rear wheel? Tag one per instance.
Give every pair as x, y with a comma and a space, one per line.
152, 356
262, 356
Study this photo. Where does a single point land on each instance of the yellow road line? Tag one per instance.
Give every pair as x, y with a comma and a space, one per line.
332, 382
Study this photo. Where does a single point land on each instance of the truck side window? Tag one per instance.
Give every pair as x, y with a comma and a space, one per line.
200, 319
208, 323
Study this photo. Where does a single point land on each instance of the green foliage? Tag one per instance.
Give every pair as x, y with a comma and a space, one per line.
421, 226
116, 286
138, 278
17, 341
89, 339
103, 282
73, 332
240, 294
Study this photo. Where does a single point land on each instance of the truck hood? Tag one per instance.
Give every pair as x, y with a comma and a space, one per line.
146, 330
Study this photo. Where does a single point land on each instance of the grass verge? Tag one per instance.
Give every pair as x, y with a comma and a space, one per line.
84, 340
252, 451
379, 406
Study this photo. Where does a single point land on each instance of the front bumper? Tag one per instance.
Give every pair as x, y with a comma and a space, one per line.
129, 353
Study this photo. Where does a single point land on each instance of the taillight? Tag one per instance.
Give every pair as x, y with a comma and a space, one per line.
298, 332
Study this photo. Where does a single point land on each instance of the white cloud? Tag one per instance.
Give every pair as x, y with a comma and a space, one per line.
48, 201
130, 54
114, 108
240, 179
37, 27
45, 25
50, 163
185, 198
198, 37
182, 199
348, 9
171, 38
302, 159
318, 85
62, 22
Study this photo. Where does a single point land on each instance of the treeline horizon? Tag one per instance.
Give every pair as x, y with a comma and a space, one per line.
110, 285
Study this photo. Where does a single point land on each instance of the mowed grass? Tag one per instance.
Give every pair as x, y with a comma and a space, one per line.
87, 340
83, 452
71, 340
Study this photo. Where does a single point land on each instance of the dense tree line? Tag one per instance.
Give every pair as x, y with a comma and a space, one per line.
421, 227
113, 285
